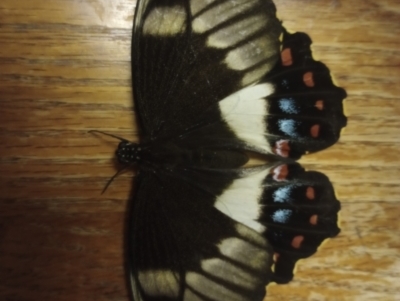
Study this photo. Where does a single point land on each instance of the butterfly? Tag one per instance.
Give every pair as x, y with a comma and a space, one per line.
215, 83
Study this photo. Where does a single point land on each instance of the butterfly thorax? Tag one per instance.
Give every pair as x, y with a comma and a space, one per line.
128, 153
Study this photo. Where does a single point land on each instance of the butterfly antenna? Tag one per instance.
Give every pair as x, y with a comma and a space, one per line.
107, 134
112, 178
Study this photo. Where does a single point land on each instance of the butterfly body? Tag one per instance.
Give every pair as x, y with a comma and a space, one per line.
214, 81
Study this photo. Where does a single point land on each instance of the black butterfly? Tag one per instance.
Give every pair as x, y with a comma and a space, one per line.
214, 82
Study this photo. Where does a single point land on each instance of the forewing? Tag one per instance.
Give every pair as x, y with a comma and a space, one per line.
183, 248
189, 55
293, 110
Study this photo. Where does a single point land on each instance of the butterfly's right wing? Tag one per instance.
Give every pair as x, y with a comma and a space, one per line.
185, 249
209, 234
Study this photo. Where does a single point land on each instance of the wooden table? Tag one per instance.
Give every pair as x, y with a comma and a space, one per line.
65, 69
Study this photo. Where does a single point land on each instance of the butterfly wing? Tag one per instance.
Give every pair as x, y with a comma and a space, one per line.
210, 234
184, 248
219, 67
188, 55
293, 110
295, 209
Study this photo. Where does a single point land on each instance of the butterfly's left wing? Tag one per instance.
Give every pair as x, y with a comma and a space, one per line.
219, 70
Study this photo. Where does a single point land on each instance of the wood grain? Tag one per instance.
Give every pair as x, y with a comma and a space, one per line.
65, 69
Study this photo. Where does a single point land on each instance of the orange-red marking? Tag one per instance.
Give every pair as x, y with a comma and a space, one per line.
308, 79
310, 193
296, 242
320, 105
314, 219
315, 130
286, 57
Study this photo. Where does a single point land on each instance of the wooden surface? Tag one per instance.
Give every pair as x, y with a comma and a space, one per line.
65, 69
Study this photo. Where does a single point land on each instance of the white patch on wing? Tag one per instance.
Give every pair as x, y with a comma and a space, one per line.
188, 295
245, 112
256, 74
250, 54
251, 235
160, 283
211, 289
197, 5
226, 271
240, 201
165, 21
230, 35
246, 253
218, 14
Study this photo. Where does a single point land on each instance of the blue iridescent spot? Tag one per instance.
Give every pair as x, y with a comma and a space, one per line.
281, 215
288, 105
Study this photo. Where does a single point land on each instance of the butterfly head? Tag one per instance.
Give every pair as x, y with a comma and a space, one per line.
128, 152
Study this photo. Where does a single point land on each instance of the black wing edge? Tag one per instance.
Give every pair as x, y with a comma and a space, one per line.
317, 103
300, 212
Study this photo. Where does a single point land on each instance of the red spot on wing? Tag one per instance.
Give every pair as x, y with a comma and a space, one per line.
286, 57
308, 79
315, 130
297, 240
314, 219
310, 193
320, 105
